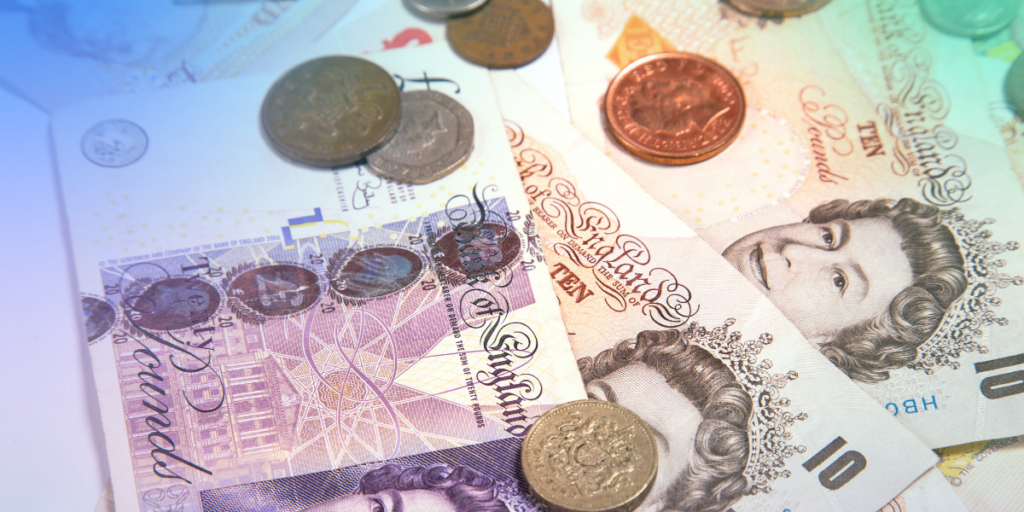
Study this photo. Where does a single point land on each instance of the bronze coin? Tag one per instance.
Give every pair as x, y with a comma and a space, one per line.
331, 111
777, 8
590, 456
503, 34
675, 108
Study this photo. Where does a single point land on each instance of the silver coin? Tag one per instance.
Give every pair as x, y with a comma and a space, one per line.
114, 143
446, 8
969, 18
435, 137
1015, 84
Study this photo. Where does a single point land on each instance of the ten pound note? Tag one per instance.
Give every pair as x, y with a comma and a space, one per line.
251, 321
867, 196
746, 414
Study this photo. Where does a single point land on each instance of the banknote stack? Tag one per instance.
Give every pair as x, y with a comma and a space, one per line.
771, 264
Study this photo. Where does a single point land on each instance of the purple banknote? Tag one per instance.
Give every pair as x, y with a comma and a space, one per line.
254, 360
479, 478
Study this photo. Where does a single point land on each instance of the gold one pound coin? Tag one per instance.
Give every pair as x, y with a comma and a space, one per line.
331, 111
590, 456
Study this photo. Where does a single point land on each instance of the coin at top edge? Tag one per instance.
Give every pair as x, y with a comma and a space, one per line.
446, 8
331, 111
590, 456
777, 8
435, 137
969, 18
503, 33
675, 108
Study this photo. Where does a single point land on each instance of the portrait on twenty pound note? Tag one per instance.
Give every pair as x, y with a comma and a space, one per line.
272, 320
480, 478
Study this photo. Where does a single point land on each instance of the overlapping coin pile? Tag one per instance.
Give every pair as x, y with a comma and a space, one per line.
334, 111
339, 110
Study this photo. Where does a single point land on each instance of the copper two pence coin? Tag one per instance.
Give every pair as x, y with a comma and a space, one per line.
331, 111
675, 108
777, 8
503, 33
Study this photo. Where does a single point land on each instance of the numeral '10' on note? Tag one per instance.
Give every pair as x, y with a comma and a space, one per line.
1001, 386
837, 474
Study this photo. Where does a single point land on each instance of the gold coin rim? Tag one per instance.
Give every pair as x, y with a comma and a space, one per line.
631, 502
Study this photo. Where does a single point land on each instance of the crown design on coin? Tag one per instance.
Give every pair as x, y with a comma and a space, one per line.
768, 425
592, 454
963, 325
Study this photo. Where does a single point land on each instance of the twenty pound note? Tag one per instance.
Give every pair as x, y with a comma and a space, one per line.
737, 399
252, 320
867, 195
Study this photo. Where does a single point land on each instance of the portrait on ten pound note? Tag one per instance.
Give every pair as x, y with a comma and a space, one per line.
876, 285
710, 411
